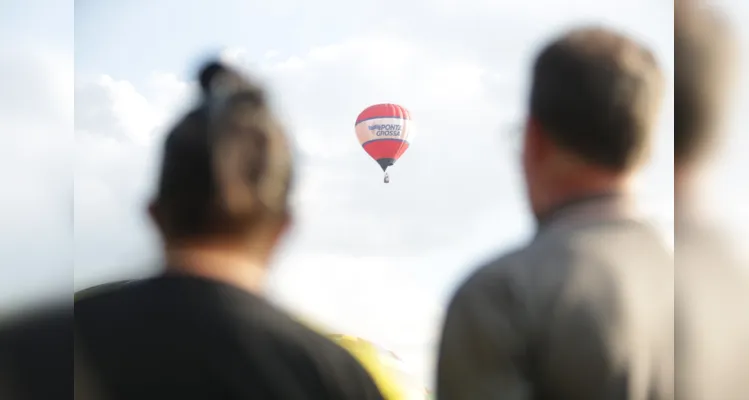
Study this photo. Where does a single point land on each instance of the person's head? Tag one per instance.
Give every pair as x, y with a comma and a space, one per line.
594, 103
704, 55
226, 172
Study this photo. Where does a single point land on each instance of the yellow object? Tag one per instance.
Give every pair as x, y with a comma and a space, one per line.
382, 365
370, 358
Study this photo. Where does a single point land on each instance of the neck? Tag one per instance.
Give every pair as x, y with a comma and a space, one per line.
231, 265
583, 186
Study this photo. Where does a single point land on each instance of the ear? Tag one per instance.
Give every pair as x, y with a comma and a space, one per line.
286, 224
530, 140
537, 144
281, 228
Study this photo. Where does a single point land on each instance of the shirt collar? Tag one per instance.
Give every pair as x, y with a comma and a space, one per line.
599, 206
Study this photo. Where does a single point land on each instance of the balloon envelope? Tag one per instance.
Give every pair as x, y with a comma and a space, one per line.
383, 131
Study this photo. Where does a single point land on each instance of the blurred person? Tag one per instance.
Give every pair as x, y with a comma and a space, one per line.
36, 348
712, 278
585, 310
202, 328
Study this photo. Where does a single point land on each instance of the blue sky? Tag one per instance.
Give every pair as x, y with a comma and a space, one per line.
367, 259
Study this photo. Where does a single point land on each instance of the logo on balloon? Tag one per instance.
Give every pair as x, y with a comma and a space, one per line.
386, 129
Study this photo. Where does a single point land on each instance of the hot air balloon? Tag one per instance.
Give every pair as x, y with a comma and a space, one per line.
383, 131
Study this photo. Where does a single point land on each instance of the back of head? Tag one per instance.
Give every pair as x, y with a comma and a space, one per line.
227, 165
597, 94
702, 51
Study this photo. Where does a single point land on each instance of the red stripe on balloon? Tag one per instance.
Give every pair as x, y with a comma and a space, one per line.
386, 148
383, 111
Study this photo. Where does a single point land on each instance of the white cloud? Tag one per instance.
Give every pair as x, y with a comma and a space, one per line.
36, 211
118, 134
456, 113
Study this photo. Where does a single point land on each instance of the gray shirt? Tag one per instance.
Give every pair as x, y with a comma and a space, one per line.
583, 312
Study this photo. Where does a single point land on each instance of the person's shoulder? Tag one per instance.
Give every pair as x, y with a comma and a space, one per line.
230, 323
41, 334
514, 278
103, 289
311, 344
502, 264
49, 319
491, 275
336, 372
264, 332
347, 377
34, 342
497, 268
596, 234
107, 299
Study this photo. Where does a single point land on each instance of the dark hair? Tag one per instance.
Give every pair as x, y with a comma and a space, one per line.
597, 93
226, 164
701, 39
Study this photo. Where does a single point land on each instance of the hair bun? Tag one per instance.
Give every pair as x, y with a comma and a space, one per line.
208, 73
218, 81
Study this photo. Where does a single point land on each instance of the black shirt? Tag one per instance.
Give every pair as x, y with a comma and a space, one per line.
36, 354
179, 337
